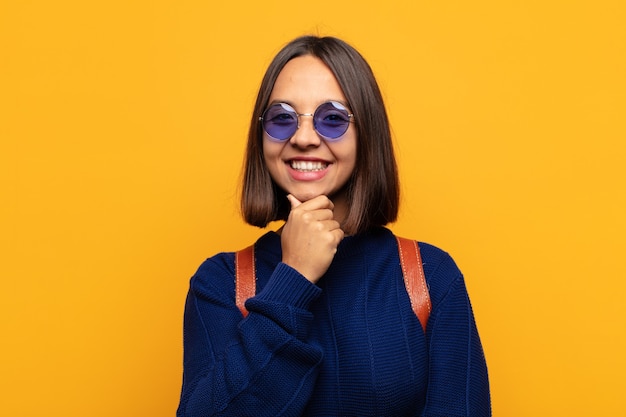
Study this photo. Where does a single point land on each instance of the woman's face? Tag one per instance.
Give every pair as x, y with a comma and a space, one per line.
306, 165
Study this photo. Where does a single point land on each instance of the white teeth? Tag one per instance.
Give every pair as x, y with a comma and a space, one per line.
308, 165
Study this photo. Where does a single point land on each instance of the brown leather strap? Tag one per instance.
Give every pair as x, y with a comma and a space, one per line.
414, 279
412, 270
245, 277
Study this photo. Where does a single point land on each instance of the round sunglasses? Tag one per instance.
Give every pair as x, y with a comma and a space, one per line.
330, 120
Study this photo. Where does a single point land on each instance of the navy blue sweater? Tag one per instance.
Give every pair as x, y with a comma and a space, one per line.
349, 345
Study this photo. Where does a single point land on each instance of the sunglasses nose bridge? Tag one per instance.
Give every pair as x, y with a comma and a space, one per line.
304, 115
306, 134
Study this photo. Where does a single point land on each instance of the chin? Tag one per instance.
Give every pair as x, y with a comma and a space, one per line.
306, 196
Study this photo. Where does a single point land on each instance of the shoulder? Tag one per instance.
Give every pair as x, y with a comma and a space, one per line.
223, 262
441, 272
439, 267
215, 274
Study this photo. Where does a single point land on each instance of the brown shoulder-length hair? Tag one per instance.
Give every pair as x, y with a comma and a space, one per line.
373, 191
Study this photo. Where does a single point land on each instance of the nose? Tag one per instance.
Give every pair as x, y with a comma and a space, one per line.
305, 136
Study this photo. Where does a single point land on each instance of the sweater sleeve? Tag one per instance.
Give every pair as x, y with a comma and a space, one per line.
260, 365
458, 382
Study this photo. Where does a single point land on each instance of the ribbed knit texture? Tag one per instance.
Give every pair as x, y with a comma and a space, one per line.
348, 346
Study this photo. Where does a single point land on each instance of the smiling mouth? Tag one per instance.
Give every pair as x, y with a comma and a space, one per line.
308, 166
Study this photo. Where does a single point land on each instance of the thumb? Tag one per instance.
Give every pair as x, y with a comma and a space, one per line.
294, 201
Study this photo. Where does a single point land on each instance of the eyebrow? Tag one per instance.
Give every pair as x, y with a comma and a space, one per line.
271, 103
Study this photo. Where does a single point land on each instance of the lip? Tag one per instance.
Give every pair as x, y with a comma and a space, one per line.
314, 175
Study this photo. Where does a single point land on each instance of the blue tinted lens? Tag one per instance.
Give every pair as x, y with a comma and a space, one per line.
331, 120
280, 121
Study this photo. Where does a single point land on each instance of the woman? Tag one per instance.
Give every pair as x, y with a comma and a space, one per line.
330, 331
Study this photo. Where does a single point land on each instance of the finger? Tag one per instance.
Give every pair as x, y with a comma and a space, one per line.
318, 215
338, 234
319, 202
331, 225
294, 201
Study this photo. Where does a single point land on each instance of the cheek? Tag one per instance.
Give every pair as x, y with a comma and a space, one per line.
271, 150
352, 153
346, 149
271, 157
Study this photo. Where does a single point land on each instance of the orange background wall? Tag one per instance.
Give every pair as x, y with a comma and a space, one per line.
122, 126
